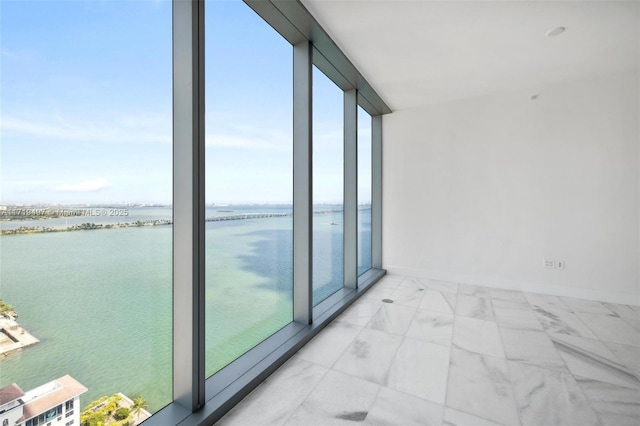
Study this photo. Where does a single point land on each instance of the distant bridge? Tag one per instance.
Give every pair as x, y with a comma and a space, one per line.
259, 215
246, 216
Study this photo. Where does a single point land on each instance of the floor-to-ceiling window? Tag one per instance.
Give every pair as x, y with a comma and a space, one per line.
248, 181
328, 178
364, 191
85, 207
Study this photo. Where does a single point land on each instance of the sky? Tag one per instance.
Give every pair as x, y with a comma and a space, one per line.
85, 106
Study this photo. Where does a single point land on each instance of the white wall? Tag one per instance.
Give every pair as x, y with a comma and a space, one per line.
482, 190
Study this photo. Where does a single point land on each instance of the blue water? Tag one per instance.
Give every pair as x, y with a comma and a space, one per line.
100, 300
100, 303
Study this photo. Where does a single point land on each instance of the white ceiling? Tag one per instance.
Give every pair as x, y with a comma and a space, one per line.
423, 52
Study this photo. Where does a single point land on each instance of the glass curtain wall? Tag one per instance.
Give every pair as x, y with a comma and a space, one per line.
249, 181
86, 203
364, 191
328, 193
85, 208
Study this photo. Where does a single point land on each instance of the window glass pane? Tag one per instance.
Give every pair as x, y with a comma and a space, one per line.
249, 178
364, 191
328, 177
85, 212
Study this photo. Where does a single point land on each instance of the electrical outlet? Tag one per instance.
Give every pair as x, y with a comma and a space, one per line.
548, 263
559, 264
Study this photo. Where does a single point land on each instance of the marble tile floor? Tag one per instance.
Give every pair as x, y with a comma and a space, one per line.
455, 354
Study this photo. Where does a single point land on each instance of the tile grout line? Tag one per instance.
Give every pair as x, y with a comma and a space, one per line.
380, 386
313, 388
331, 368
587, 400
603, 342
529, 309
453, 332
451, 347
395, 355
328, 369
404, 337
372, 404
344, 351
449, 370
627, 321
506, 367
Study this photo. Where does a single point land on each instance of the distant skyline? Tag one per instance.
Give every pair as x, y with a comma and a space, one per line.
85, 106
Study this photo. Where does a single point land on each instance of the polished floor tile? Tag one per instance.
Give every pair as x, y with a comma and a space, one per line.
392, 319
458, 418
369, 356
272, 402
438, 301
615, 405
361, 313
531, 347
389, 280
592, 359
396, 408
611, 329
475, 307
392, 278
515, 317
479, 384
326, 347
625, 311
633, 323
587, 306
628, 355
456, 354
413, 283
375, 295
420, 369
478, 336
431, 326
560, 320
337, 399
508, 296
474, 290
547, 397
544, 301
408, 296
445, 286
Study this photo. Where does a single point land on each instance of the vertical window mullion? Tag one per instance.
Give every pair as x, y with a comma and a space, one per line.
188, 203
376, 191
302, 183
350, 235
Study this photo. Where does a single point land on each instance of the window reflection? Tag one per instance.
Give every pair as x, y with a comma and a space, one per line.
328, 178
249, 181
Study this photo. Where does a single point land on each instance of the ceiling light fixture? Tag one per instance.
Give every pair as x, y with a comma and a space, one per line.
556, 31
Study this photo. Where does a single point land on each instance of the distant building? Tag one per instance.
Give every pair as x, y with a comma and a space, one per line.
56, 403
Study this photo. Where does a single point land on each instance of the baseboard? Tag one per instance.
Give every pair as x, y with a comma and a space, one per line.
554, 290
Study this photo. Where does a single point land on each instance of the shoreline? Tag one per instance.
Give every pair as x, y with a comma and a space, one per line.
83, 227
88, 226
13, 337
